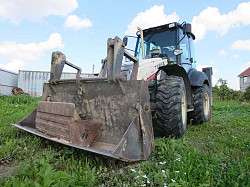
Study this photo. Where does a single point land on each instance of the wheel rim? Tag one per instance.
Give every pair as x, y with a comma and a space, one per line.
206, 104
183, 107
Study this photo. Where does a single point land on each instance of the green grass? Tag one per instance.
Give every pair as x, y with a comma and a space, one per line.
213, 154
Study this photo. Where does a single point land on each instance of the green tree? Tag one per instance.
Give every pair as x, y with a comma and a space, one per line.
246, 94
221, 82
222, 92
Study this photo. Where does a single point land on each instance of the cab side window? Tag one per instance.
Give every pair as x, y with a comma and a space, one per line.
184, 45
191, 44
187, 45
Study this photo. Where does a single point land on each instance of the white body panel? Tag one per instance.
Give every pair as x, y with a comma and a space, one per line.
148, 67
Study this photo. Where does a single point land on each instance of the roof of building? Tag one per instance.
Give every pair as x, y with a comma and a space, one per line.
8, 71
244, 73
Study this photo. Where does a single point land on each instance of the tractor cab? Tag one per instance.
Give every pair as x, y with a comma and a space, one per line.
172, 42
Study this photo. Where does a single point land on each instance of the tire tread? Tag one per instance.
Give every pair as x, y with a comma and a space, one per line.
168, 106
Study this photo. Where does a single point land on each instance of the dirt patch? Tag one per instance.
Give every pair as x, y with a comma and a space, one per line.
7, 169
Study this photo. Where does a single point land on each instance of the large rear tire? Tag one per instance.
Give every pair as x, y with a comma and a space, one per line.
171, 106
202, 105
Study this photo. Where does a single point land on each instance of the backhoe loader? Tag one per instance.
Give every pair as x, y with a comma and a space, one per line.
112, 114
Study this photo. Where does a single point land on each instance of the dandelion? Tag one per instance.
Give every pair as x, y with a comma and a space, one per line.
161, 163
177, 171
144, 176
133, 170
178, 159
172, 180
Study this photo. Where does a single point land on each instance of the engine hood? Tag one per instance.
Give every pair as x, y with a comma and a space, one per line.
148, 67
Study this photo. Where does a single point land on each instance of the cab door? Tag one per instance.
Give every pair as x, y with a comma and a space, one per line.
187, 57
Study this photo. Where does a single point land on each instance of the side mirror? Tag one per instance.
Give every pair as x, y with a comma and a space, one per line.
178, 52
187, 28
125, 40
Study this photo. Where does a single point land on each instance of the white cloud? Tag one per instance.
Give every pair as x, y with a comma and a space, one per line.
222, 52
235, 56
152, 17
212, 62
14, 65
19, 53
241, 45
243, 67
17, 10
212, 19
77, 23
246, 65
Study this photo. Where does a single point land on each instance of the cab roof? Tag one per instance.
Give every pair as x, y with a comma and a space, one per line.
169, 26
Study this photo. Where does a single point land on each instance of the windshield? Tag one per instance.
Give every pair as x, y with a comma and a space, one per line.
159, 44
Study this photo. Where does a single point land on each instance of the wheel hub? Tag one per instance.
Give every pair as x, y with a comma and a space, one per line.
183, 108
206, 104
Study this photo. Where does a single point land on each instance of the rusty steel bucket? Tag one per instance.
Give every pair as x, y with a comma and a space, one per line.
107, 115
112, 119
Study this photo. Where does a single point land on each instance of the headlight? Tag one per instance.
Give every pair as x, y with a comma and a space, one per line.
171, 25
178, 52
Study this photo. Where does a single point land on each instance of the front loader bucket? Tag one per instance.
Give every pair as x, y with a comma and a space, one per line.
108, 118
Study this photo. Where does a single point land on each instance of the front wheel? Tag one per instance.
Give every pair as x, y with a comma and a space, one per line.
202, 105
171, 106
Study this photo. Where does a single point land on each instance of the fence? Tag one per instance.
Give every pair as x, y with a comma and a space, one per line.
8, 80
32, 81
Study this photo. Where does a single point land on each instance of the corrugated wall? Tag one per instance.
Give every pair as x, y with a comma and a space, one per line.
8, 80
32, 81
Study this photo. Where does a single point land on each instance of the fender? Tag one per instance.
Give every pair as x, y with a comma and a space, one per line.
198, 78
180, 71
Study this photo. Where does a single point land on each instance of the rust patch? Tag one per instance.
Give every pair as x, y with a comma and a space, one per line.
61, 121
17, 91
83, 133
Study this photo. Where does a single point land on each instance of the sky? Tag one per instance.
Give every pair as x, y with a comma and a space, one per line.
32, 30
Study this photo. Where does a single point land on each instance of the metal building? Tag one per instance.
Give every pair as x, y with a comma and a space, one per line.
32, 81
8, 80
244, 79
